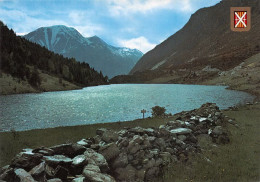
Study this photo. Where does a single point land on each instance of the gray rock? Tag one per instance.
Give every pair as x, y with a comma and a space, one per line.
38, 171
133, 147
44, 151
84, 143
96, 159
109, 151
181, 131
146, 144
123, 142
70, 150
218, 130
7, 174
182, 137
49, 171
126, 174
92, 167
121, 161
122, 133
79, 179
61, 172
160, 142
150, 163
137, 130
140, 174
149, 131
174, 124
109, 136
79, 160
23, 176
152, 173
26, 160
92, 173
57, 160
138, 139
101, 131
166, 157
54, 180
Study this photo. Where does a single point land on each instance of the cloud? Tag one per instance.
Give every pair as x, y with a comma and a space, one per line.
22, 33
25, 22
89, 30
77, 16
140, 43
124, 7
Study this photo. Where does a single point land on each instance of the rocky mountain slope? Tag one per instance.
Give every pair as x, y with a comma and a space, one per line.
206, 40
93, 50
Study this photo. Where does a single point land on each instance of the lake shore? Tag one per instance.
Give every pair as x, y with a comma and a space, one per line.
236, 161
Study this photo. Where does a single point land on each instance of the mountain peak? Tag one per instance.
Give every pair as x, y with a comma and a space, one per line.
69, 42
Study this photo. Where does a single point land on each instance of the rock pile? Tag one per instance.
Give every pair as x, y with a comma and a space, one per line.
131, 154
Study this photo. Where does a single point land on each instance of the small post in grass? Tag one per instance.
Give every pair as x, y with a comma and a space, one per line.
143, 111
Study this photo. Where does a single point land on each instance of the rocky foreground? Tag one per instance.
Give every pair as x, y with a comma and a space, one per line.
131, 154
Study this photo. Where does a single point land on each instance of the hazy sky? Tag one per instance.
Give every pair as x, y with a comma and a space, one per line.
139, 24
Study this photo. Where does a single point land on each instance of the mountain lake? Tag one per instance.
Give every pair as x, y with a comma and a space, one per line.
108, 103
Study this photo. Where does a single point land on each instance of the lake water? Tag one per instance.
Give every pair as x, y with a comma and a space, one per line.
109, 103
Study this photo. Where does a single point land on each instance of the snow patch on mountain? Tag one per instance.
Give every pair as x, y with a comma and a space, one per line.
46, 38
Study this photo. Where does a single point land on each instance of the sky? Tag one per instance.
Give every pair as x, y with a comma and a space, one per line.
139, 24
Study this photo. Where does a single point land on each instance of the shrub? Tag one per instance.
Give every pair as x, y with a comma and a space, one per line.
158, 111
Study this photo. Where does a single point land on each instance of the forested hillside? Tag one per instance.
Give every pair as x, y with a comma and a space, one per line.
23, 59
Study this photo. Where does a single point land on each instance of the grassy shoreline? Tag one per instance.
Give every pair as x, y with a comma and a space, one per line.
237, 161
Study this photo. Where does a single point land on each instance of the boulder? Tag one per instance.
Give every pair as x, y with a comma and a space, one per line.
44, 151
49, 171
166, 157
137, 130
152, 173
109, 136
218, 130
70, 150
140, 174
57, 160
96, 159
121, 161
54, 180
26, 160
181, 131
126, 174
101, 131
174, 124
93, 174
79, 179
123, 142
149, 131
150, 163
61, 173
109, 151
138, 139
84, 142
38, 172
133, 147
182, 137
23, 176
79, 161
7, 174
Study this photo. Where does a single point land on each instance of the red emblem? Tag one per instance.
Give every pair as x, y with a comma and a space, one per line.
240, 18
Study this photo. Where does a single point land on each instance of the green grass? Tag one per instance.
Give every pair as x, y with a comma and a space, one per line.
238, 161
